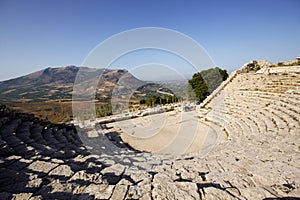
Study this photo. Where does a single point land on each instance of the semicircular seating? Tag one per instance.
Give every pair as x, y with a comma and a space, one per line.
258, 103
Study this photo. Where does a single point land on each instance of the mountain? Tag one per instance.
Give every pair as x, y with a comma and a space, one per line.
57, 84
48, 93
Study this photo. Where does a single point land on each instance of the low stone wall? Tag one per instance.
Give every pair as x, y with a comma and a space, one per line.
285, 69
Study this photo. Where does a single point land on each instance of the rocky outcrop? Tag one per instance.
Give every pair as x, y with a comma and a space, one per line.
254, 65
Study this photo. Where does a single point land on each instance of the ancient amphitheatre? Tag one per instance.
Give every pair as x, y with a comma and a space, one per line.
254, 152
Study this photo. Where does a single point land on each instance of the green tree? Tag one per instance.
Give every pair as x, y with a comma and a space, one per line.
199, 87
205, 82
214, 77
223, 73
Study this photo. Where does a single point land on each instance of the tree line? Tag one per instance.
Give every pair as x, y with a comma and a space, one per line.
159, 100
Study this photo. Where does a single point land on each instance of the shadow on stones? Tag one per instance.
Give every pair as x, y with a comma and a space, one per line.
202, 186
13, 181
32, 149
113, 179
27, 141
111, 147
115, 138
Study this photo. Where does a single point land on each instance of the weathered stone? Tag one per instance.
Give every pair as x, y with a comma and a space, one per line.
99, 191
139, 176
42, 166
62, 170
35, 183
22, 196
214, 193
113, 174
39, 197
164, 187
190, 188
119, 192
87, 178
146, 196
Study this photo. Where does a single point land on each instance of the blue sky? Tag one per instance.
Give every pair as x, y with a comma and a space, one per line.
37, 34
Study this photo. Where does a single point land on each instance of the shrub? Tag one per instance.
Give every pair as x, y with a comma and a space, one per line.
280, 64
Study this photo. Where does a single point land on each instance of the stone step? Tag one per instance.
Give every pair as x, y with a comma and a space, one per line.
251, 119
253, 127
290, 121
13, 141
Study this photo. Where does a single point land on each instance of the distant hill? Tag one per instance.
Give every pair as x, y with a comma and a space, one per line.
57, 84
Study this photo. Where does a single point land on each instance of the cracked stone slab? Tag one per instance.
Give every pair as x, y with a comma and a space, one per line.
99, 191
62, 170
42, 166
120, 192
22, 196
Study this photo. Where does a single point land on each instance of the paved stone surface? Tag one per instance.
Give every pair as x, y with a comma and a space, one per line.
258, 158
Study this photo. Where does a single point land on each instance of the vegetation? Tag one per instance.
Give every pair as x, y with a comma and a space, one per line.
152, 94
214, 77
205, 82
53, 111
280, 64
104, 110
254, 66
158, 100
295, 63
199, 87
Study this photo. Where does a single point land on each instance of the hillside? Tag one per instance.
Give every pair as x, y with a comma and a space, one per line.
48, 93
57, 83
